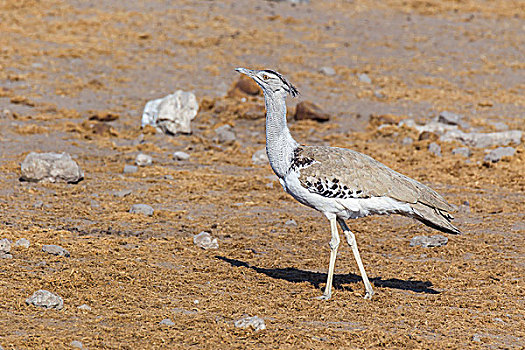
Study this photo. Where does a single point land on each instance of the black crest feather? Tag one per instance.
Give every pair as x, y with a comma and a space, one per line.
292, 90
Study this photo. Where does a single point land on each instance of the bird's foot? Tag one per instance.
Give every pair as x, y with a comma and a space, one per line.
324, 297
368, 294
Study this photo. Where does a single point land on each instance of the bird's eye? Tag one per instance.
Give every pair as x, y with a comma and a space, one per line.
265, 77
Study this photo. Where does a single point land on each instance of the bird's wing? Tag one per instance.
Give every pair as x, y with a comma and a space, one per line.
343, 173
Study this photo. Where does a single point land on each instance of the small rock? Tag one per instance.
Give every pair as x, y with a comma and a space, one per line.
379, 94
44, 298
225, 134
171, 114
167, 322
364, 78
260, 157
84, 307
38, 204
476, 338
309, 110
500, 126
181, 155
5, 245
55, 250
130, 169
429, 242
205, 241
255, 322
435, 148
327, 71
484, 140
432, 127
449, 118
143, 160
4, 255
143, 209
76, 344
244, 86
463, 151
50, 167
22, 242
496, 154
427, 135
291, 222
407, 141
168, 177
6, 113
104, 116
122, 193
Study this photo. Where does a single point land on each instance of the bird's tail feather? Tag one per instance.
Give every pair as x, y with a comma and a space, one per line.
434, 217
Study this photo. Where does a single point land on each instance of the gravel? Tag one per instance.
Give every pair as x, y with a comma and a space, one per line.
364, 78
167, 322
496, 154
44, 298
50, 167
143, 160
260, 157
429, 242
255, 322
463, 151
205, 241
143, 209
435, 148
130, 169
55, 250
22, 242
181, 155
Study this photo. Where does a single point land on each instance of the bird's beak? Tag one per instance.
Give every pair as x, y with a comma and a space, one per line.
248, 72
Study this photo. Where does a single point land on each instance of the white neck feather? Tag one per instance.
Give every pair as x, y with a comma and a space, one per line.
279, 142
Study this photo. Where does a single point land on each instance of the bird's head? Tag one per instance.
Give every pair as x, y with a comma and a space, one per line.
270, 81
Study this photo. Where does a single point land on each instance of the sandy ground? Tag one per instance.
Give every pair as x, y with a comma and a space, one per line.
63, 62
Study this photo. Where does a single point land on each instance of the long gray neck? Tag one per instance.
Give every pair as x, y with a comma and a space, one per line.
279, 142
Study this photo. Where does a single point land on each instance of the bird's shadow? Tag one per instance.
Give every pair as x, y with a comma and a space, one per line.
292, 274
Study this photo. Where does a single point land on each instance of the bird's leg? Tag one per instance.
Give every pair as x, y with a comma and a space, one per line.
350, 239
334, 244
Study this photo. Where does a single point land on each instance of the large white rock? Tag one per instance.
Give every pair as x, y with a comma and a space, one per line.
484, 140
50, 167
171, 114
44, 298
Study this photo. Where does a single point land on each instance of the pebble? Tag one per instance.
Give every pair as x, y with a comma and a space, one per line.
255, 322
225, 134
50, 167
167, 322
44, 298
168, 177
5, 245
22, 242
327, 71
122, 193
38, 204
476, 338
364, 78
407, 141
496, 154
76, 344
463, 151
130, 169
309, 110
429, 242
171, 114
84, 307
143, 209
143, 160
260, 157
291, 222
484, 140
379, 94
435, 148
181, 155
205, 241
55, 250
449, 118
6, 113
